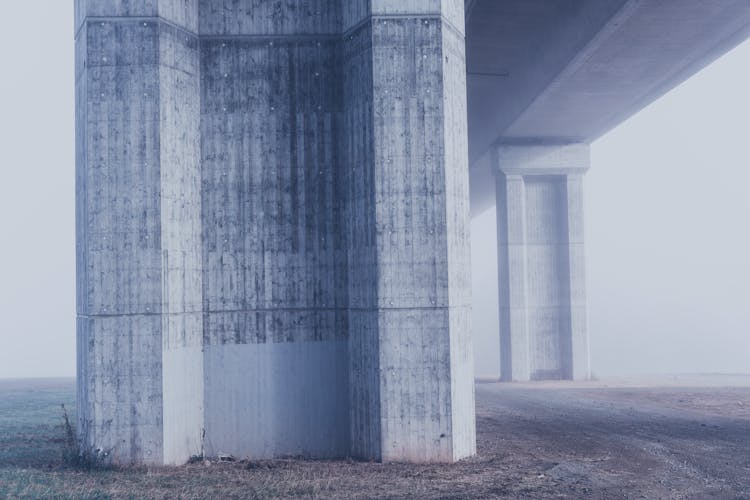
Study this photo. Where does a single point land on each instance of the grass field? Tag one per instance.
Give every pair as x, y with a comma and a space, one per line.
32, 439
679, 439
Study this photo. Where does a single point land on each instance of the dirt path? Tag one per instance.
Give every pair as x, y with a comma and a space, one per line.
631, 442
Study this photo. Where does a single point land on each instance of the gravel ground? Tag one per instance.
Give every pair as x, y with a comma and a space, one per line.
621, 440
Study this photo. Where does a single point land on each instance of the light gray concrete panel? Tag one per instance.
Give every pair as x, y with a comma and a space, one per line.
270, 400
183, 389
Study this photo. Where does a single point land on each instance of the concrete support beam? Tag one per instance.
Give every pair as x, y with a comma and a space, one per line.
541, 261
407, 217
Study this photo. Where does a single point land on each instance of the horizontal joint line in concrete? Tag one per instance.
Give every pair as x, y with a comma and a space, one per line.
279, 309
112, 19
267, 36
125, 315
153, 66
315, 309
311, 37
272, 309
525, 244
540, 171
393, 308
438, 17
527, 307
180, 70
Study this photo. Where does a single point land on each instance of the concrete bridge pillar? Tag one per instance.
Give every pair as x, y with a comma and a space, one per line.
272, 229
411, 379
540, 248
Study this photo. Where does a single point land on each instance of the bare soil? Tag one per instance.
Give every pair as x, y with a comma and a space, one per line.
627, 441
682, 437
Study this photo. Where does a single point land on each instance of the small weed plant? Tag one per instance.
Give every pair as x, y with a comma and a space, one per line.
76, 454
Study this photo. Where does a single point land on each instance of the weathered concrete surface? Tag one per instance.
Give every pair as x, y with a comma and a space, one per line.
119, 249
182, 280
293, 178
541, 276
411, 381
275, 302
138, 234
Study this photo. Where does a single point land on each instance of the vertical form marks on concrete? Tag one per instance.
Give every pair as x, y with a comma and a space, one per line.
274, 259
547, 286
138, 230
511, 266
418, 253
457, 229
83, 382
270, 17
540, 261
119, 239
579, 346
181, 13
182, 286
358, 175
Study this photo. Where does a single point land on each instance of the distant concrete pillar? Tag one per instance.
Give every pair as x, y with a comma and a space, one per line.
411, 379
541, 278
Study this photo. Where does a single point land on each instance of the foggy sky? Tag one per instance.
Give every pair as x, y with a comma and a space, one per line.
666, 224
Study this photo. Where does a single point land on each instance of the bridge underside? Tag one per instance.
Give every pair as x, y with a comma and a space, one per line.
568, 71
